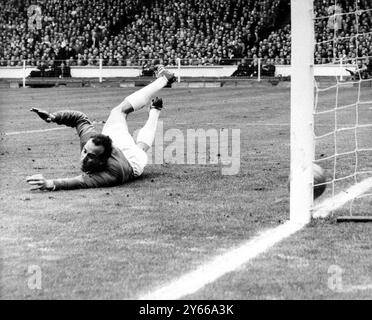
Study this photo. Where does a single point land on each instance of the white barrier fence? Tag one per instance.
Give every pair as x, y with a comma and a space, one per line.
123, 72
320, 70
212, 71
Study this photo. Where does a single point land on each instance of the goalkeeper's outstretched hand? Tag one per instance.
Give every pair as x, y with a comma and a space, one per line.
45, 115
40, 183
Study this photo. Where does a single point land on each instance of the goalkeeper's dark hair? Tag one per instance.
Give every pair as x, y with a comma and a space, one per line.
102, 140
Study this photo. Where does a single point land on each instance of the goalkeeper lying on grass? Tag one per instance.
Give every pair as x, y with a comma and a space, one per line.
112, 157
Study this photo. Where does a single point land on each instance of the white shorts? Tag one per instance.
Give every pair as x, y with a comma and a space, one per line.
117, 129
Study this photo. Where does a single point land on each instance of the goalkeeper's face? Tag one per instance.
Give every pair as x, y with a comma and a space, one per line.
91, 159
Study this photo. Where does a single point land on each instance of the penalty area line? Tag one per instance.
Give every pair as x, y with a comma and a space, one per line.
228, 262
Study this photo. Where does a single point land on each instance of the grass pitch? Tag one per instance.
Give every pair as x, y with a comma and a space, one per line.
124, 241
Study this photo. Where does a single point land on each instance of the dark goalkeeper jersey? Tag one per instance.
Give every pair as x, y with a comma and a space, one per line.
118, 169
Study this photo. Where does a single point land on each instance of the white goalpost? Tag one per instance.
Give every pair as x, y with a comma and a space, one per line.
302, 105
331, 120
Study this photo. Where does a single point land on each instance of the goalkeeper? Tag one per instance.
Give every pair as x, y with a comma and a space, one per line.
112, 157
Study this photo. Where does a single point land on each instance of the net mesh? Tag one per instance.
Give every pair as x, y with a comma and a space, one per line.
343, 103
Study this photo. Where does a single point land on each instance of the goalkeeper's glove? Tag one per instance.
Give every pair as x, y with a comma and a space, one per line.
45, 115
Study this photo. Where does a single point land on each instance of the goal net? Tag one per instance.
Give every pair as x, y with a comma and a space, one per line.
341, 120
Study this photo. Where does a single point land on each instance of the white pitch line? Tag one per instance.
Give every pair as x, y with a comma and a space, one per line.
269, 124
323, 209
361, 287
236, 257
41, 130
33, 131
138, 123
219, 266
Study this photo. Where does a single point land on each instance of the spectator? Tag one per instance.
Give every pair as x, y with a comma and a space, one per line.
369, 67
335, 21
360, 71
268, 69
243, 69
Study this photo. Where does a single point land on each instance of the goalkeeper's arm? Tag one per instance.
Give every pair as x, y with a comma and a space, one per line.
74, 119
101, 179
45, 115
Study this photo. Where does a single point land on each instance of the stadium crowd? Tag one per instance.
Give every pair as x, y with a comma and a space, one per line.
335, 35
199, 32
131, 31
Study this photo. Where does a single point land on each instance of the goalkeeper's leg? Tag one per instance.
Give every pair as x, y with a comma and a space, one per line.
146, 135
140, 98
117, 121
136, 153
